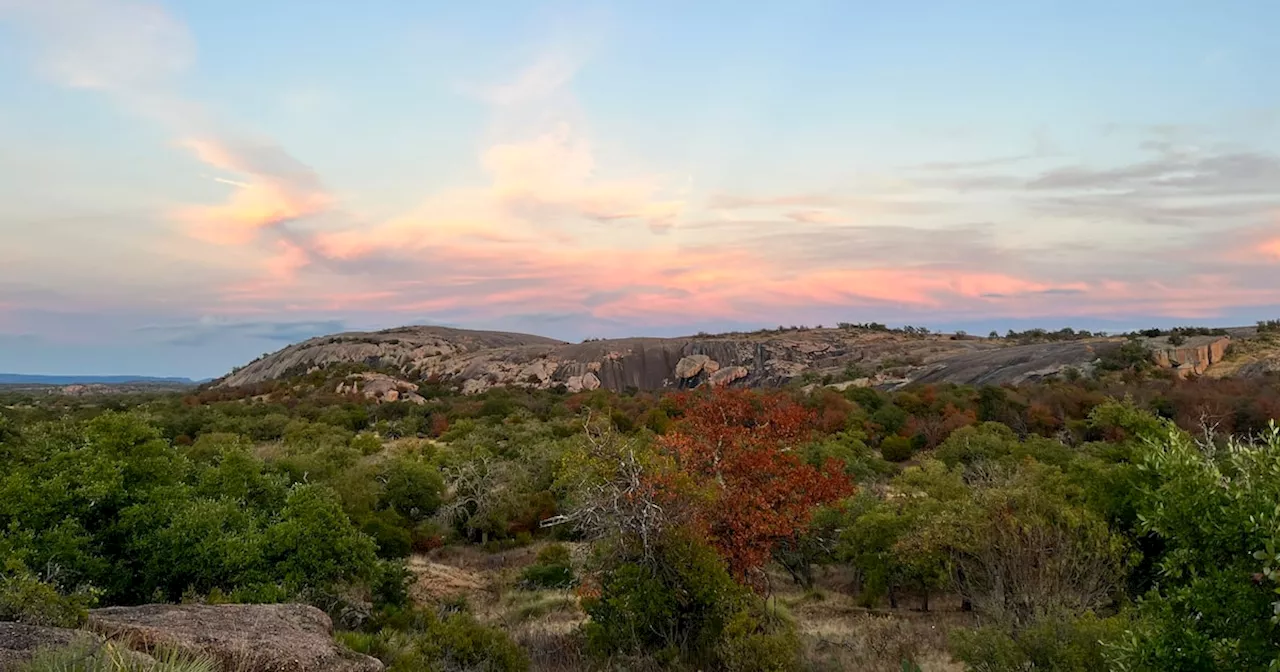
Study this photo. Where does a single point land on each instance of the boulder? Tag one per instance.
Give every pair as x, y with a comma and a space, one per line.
414, 398
1193, 357
728, 375
590, 381
19, 642
691, 366
241, 637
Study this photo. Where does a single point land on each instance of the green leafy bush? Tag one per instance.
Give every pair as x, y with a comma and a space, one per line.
758, 639
680, 604
677, 605
553, 568
411, 640
413, 488
1078, 645
25, 598
1214, 511
314, 544
896, 448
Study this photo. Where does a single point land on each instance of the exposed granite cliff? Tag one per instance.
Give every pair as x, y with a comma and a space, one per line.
476, 361
1193, 356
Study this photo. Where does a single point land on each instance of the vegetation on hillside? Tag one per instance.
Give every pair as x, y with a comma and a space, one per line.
1126, 522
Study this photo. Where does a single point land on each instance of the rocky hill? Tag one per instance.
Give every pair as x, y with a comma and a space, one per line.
477, 360
397, 359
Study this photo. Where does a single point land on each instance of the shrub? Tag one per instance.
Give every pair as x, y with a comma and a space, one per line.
414, 640
896, 448
681, 604
969, 445
552, 569
314, 544
467, 644
413, 488
1056, 645
367, 443
387, 530
678, 604
759, 640
25, 598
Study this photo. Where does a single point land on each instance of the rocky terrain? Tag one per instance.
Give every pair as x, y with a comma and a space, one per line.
476, 360
96, 389
238, 637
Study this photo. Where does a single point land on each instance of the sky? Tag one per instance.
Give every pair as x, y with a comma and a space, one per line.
185, 185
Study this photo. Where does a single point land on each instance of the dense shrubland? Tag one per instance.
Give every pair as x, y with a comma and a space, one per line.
1125, 522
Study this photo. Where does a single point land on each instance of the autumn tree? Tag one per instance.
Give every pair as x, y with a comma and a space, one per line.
741, 448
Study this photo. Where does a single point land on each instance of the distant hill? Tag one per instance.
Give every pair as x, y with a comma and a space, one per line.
25, 379
859, 355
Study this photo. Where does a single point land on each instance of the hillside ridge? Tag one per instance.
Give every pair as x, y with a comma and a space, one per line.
846, 355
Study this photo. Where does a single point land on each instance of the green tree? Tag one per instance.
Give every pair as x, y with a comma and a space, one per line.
413, 487
314, 545
1216, 512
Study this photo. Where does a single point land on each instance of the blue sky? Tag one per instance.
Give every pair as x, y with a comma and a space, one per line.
188, 184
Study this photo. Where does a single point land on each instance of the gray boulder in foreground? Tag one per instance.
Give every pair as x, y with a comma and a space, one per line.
19, 642
241, 637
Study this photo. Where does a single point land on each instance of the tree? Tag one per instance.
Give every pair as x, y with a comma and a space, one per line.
1215, 509
1023, 548
740, 447
314, 544
413, 488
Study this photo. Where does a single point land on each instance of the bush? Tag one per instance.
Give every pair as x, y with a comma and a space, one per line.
682, 605
386, 528
759, 640
1053, 645
367, 443
413, 488
414, 640
676, 604
25, 598
314, 544
896, 448
552, 569
969, 445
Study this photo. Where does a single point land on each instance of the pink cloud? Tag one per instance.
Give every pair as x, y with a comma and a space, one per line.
816, 217
262, 200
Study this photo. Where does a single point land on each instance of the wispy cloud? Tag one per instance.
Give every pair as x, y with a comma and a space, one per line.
274, 189
210, 329
136, 53
554, 230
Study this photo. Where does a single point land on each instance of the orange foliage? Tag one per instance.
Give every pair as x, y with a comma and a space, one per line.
833, 410
936, 428
1042, 420
738, 446
439, 425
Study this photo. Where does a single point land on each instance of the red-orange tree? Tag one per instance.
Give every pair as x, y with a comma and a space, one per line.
741, 448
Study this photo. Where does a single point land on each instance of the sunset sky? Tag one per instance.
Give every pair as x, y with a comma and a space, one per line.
188, 184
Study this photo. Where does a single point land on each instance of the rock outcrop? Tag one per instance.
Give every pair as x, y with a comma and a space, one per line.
477, 361
19, 642
1191, 357
240, 637
381, 388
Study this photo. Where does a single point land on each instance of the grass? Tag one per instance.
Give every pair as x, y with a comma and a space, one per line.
112, 657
